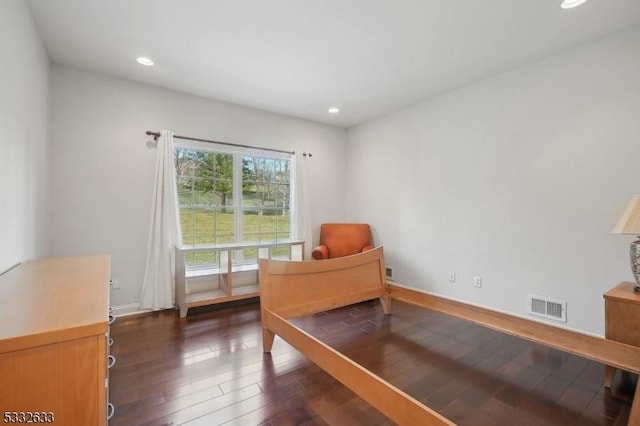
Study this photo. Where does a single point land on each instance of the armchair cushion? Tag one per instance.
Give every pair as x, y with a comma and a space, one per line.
342, 239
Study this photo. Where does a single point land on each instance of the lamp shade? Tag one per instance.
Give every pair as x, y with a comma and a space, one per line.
629, 222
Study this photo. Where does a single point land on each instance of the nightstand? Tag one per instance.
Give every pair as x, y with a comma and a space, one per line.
622, 319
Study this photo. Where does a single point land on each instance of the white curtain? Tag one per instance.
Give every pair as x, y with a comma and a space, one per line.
158, 288
304, 230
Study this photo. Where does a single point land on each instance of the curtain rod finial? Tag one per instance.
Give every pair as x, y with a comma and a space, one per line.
155, 135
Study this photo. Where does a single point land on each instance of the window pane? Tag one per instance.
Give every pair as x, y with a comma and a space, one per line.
205, 259
268, 237
224, 231
206, 225
281, 252
283, 226
265, 194
282, 196
246, 256
204, 181
251, 225
185, 161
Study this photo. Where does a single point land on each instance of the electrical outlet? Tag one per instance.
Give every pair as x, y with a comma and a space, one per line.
452, 276
115, 283
477, 281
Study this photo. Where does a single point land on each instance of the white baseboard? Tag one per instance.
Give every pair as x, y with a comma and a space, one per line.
130, 309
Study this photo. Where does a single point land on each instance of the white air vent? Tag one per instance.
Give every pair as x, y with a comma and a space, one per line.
548, 308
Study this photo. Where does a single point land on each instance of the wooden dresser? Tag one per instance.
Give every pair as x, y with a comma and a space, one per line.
622, 319
53, 341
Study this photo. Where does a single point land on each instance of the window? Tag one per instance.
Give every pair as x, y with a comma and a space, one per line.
233, 197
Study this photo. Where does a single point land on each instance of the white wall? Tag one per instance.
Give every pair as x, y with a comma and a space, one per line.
103, 166
24, 126
517, 179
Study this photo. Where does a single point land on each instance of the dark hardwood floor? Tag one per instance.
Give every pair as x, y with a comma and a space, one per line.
209, 369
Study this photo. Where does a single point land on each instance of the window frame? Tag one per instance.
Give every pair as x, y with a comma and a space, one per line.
237, 193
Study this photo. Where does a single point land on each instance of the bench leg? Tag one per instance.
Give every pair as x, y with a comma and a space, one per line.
183, 311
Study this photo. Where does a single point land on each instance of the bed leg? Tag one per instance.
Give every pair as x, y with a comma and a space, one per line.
385, 301
634, 415
609, 371
267, 340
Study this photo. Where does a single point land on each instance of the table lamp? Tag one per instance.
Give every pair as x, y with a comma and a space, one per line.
629, 223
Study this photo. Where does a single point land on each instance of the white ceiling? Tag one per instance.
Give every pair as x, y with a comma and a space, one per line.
299, 57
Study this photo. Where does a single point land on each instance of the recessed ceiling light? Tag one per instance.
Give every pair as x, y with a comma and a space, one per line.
144, 61
570, 4
334, 110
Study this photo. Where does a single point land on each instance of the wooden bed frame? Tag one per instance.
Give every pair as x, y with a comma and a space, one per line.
290, 289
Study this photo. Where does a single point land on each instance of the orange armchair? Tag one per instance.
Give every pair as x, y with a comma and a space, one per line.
342, 239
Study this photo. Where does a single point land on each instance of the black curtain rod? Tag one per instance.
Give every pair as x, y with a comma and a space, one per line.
156, 135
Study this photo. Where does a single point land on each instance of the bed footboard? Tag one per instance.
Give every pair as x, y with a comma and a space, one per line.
295, 289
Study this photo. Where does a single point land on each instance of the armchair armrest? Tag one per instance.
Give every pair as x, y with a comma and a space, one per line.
320, 252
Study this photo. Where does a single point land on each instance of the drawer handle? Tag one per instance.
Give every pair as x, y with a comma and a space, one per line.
110, 341
111, 362
111, 410
112, 319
